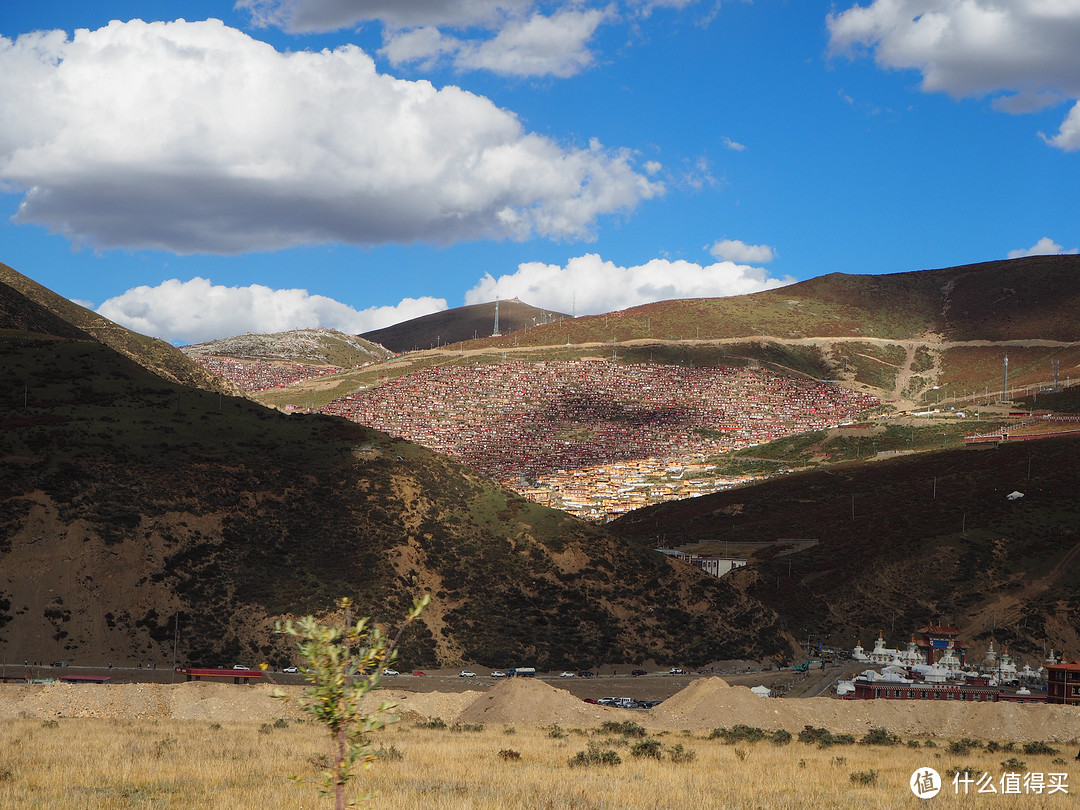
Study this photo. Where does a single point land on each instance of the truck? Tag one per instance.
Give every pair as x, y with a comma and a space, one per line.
521, 672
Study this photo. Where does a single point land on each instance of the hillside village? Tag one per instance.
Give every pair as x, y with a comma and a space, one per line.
597, 438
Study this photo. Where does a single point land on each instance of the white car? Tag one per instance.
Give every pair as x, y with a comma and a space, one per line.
567, 675
497, 674
465, 673
291, 669
240, 666
389, 672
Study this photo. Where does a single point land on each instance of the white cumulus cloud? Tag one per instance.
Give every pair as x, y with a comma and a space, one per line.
1044, 247
540, 45
1025, 49
197, 311
194, 137
735, 250
589, 285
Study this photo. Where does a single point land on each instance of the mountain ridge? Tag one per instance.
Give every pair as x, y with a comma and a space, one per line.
135, 511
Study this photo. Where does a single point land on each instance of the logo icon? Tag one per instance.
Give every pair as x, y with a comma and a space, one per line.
925, 783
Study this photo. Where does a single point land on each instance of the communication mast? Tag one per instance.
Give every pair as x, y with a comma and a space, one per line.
496, 332
1005, 386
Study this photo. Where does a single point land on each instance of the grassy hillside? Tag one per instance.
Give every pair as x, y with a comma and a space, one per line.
155, 355
130, 505
904, 541
913, 339
314, 346
1015, 299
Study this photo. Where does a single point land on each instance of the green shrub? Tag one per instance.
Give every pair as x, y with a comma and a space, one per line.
864, 777
281, 722
556, 733
627, 728
391, 754
432, 722
594, 755
738, 733
1038, 748
1014, 764
963, 746
879, 736
679, 754
647, 748
824, 738
811, 735
509, 755
780, 737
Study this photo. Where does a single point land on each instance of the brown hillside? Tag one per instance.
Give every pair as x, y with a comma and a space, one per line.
1031, 297
152, 354
901, 542
460, 324
135, 511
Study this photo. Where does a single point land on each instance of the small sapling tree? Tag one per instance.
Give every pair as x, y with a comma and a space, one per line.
343, 663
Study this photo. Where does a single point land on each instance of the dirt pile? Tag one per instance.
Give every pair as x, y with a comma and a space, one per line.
705, 704
530, 702
137, 701
711, 702
446, 706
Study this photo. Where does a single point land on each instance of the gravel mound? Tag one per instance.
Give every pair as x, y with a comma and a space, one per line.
534, 703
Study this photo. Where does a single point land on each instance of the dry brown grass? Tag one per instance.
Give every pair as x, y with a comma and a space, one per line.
91, 763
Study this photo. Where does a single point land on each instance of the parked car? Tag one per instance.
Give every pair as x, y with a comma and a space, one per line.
625, 703
566, 675
240, 666
676, 671
419, 674
498, 674
637, 672
607, 701
466, 673
647, 704
291, 669
591, 700
390, 672
585, 673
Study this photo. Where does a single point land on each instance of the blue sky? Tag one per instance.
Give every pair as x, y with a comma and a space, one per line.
352, 163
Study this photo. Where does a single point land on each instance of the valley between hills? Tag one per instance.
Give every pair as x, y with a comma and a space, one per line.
148, 504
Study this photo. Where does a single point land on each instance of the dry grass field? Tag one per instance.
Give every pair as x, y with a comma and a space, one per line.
71, 763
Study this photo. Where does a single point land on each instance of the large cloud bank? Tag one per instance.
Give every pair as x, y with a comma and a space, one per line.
1025, 49
589, 285
194, 137
197, 311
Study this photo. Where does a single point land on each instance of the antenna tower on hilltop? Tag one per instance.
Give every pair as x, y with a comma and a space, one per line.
495, 332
